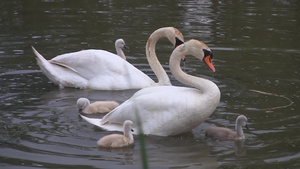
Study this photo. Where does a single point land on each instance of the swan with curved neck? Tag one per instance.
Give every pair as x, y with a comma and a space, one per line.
169, 110
222, 133
154, 63
102, 70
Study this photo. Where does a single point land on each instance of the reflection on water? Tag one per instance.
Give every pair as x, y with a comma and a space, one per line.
255, 45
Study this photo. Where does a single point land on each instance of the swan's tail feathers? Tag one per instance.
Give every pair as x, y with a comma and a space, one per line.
106, 126
42, 61
93, 121
46, 67
39, 57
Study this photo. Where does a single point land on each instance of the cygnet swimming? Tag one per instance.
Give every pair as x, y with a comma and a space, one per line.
222, 133
118, 140
86, 107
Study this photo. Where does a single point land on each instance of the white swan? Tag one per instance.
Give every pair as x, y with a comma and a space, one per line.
86, 107
102, 70
118, 140
222, 133
168, 110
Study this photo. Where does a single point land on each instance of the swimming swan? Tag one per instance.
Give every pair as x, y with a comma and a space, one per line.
222, 133
118, 140
102, 70
169, 110
86, 107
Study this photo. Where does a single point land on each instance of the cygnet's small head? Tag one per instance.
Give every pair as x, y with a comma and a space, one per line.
82, 103
120, 43
127, 126
128, 123
242, 120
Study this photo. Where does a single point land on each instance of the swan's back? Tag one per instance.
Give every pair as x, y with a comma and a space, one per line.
91, 62
105, 70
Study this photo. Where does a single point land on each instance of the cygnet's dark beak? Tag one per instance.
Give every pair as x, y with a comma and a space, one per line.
126, 47
132, 130
247, 127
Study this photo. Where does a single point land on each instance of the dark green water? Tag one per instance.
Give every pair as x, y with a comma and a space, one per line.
256, 46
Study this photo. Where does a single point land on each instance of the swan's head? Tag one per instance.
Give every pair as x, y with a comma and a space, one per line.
207, 56
201, 51
174, 36
120, 43
242, 120
82, 103
179, 39
171, 33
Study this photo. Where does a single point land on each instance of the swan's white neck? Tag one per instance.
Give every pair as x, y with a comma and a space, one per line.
154, 63
120, 53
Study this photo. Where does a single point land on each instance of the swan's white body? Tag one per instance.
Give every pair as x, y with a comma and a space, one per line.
86, 107
168, 110
222, 133
102, 70
118, 140
93, 69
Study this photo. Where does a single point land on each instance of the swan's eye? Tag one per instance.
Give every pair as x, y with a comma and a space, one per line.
207, 53
132, 130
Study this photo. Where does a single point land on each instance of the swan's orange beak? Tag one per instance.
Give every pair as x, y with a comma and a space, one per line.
208, 62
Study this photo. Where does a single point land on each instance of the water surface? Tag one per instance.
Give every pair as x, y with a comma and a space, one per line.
255, 45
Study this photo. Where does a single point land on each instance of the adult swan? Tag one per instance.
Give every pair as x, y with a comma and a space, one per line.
169, 110
102, 70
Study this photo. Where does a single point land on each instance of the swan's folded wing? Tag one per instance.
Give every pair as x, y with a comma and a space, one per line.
63, 65
101, 65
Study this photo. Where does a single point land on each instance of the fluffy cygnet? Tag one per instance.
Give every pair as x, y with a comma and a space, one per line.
86, 107
120, 44
221, 133
118, 140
